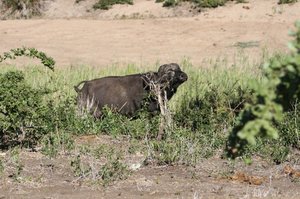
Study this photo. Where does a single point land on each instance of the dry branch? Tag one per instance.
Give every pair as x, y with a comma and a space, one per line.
160, 93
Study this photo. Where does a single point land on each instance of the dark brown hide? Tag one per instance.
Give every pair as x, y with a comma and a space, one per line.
127, 94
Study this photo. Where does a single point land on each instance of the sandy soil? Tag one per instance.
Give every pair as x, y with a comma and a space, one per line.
42, 177
211, 34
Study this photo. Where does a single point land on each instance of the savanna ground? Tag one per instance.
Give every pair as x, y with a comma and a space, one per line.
216, 47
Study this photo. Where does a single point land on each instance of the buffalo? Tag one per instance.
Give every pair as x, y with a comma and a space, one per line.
130, 93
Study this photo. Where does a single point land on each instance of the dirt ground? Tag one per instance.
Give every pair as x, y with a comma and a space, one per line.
100, 38
43, 177
146, 33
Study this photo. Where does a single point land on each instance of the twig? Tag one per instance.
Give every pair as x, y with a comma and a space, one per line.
159, 91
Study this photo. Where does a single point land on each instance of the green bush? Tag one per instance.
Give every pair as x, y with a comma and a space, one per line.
279, 92
212, 108
111, 168
20, 111
53, 143
22, 107
168, 3
210, 3
27, 114
199, 3
31, 53
107, 4
281, 149
62, 116
286, 1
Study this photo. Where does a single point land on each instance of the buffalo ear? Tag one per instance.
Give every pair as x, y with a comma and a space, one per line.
163, 69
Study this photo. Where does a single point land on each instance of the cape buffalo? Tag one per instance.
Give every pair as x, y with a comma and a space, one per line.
127, 94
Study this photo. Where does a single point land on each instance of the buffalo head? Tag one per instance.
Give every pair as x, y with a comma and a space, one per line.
172, 77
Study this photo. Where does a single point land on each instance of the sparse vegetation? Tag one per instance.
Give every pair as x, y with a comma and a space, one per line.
1, 166
86, 167
286, 1
15, 164
241, 1
107, 4
54, 143
78, 1
210, 3
22, 8
199, 3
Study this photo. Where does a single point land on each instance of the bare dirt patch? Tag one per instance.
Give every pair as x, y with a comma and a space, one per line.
42, 177
209, 35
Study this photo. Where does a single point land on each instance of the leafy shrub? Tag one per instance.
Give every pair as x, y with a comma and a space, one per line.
281, 149
113, 170
78, 1
255, 119
141, 126
198, 3
20, 110
210, 3
1, 166
29, 52
288, 138
202, 120
214, 108
53, 143
83, 165
62, 116
21, 106
280, 91
169, 3
107, 4
184, 146
286, 1
179, 146
289, 128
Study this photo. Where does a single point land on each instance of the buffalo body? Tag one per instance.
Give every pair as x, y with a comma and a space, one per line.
127, 94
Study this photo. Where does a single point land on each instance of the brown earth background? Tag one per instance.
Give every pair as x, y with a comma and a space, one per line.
71, 35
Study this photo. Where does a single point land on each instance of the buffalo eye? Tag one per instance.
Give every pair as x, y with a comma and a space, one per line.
183, 76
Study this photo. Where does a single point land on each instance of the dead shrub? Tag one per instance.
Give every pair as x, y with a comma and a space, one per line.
21, 8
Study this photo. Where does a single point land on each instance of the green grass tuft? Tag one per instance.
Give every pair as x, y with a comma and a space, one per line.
107, 4
286, 1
